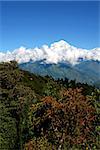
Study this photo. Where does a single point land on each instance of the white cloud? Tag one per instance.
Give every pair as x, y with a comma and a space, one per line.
57, 52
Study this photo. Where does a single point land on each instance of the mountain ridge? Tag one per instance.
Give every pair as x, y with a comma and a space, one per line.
85, 72
59, 60
60, 51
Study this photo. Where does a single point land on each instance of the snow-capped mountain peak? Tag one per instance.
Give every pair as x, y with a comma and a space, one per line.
60, 51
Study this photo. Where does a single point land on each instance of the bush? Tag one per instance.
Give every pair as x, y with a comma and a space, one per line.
67, 120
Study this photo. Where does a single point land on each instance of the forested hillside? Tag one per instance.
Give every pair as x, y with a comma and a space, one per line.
84, 72
40, 113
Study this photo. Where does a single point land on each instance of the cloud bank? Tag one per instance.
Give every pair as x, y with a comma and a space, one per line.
57, 52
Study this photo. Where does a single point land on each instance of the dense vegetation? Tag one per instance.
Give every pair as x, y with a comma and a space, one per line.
39, 113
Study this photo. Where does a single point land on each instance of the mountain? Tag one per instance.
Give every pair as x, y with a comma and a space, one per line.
85, 72
59, 60
57, 52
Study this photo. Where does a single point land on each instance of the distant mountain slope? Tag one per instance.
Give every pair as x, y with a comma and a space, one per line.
91, 69
85, 72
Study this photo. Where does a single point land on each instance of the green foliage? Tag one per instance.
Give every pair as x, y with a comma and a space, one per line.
41, 113
40, 144
67, 121
14, 103
8, 133
51, 89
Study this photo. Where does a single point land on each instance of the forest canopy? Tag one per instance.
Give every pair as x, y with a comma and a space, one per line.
40, 113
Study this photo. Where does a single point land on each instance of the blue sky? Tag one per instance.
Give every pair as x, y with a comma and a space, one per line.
33, 24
